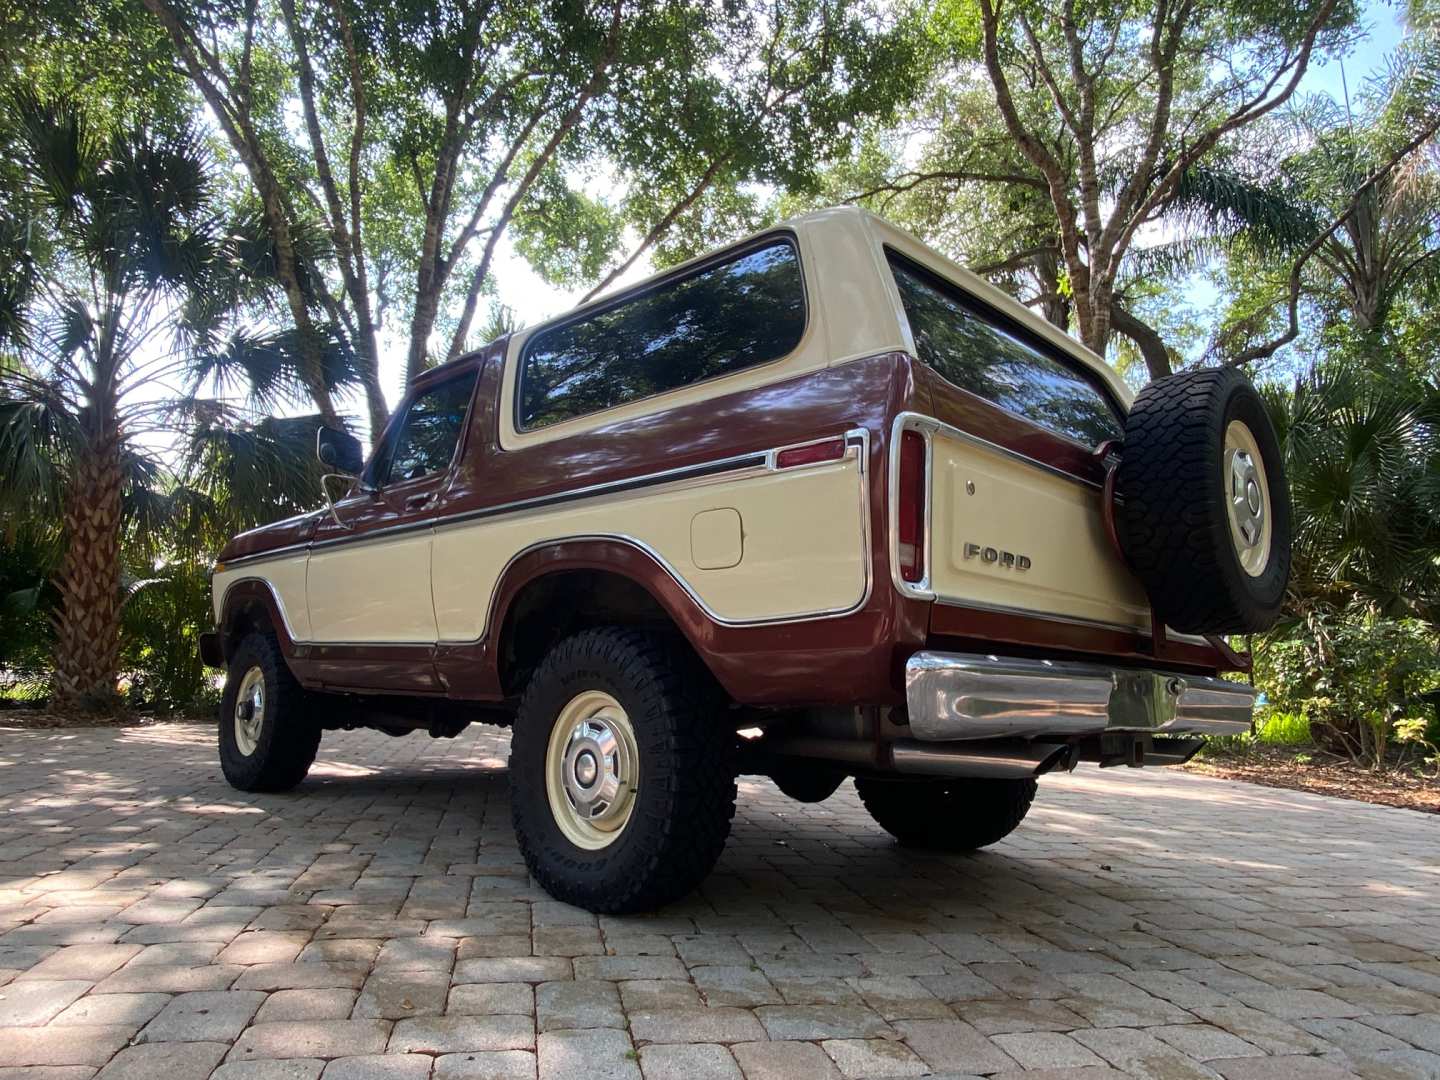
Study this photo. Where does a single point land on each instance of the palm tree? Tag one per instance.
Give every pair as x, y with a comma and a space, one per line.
123, 257
1362, 454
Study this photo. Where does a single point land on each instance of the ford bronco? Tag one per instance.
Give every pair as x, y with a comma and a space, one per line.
821, 505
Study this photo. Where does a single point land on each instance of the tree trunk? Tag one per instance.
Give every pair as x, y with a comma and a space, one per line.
422, 323
1146, 338
1054, 304
87, 628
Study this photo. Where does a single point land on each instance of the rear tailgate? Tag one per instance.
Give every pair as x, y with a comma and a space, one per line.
1012, 534
1013, 495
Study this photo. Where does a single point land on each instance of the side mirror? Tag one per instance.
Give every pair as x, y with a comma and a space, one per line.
340, 451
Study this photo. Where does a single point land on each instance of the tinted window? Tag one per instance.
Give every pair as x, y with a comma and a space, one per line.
968, 349
426, 440
719, 319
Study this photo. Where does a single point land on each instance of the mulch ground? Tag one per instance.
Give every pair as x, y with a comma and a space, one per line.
1323, 774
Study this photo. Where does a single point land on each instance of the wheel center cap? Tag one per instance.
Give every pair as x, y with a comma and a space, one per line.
585, 768
592, 773
1247, 501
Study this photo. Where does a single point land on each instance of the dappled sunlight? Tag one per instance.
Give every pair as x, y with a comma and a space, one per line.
1159, 836
331, 768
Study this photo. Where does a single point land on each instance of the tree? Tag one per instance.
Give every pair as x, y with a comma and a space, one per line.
232, 98
1361, 454
1374, 182
793, 83
430, 132
1100, 110
133, 255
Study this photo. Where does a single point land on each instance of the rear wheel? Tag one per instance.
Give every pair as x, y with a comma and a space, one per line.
268, 738
947, 815
622, 771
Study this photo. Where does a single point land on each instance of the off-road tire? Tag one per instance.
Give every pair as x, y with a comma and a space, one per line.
289, 736
946, 815
686, 792
1172, 517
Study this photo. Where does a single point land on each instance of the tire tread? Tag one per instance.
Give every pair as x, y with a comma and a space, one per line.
690, 831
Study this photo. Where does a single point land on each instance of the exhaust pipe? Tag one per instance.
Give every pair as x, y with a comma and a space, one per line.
1014, 762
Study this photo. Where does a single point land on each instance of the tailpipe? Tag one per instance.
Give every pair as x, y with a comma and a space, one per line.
1013, 761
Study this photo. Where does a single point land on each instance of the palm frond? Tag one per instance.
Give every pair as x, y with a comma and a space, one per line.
1215, 201
237, 475
37, 437
265, 365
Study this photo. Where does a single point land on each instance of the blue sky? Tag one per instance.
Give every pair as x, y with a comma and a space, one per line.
1367, 58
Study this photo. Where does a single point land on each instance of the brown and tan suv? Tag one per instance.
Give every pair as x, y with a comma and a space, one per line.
819, 505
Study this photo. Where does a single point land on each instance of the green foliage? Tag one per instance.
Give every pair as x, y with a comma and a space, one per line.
1354, 680
27, 557
163, 620
1280, 728
1362, 455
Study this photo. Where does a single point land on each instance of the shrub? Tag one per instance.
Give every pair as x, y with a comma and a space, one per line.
160, 656
26, 606
1280, 728
1355, 677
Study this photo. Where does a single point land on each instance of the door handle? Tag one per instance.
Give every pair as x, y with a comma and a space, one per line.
415, 502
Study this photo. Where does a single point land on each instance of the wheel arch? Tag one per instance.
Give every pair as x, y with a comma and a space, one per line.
251, 605
594, 581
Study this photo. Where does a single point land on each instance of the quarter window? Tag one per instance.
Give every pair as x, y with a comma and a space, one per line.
721, 318
426, 439
958, 338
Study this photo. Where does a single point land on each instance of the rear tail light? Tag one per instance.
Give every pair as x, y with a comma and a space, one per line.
911, 500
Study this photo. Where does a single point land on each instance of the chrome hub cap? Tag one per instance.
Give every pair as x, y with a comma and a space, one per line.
592, 770
1246, 498
249, 716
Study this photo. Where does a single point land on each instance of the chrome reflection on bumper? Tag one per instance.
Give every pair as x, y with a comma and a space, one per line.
968, 696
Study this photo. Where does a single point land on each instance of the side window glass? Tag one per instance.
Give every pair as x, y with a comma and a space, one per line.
426, 439
721, 318
955, 336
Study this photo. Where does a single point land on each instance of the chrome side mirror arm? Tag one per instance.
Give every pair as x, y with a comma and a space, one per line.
330, 502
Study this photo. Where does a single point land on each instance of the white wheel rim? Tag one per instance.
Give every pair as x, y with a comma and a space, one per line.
592, 770
1247, 498
249, 716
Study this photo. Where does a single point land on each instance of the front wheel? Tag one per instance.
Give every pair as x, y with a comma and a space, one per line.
622, 771
947, 815
268, 739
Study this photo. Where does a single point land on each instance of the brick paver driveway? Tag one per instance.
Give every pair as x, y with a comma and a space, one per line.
156, 925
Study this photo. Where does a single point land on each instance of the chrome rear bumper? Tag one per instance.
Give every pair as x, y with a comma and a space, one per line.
952, 696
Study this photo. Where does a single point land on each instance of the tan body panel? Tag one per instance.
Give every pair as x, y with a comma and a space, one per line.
1018, 509
372, 591
382, 591
782, 573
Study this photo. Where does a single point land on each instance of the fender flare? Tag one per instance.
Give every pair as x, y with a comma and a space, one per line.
737, 654
618, 555
246, 591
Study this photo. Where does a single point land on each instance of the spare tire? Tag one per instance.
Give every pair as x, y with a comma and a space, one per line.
1203, 513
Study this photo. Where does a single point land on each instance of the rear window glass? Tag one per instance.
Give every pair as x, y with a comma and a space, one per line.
955, 336
745, 310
